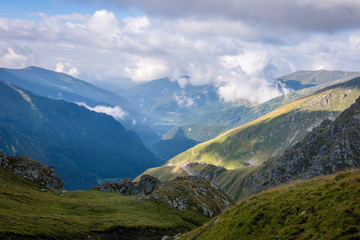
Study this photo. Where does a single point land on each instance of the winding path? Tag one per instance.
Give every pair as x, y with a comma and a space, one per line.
183, 166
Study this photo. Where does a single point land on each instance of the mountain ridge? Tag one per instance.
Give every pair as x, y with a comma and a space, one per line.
79, 143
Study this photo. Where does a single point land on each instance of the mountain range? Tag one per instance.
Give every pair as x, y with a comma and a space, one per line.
82, 145
243, 149
273, 163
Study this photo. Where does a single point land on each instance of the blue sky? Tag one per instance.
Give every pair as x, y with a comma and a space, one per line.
238, 46
26, 8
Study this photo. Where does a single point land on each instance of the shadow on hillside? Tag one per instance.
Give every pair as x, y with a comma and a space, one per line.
166, 149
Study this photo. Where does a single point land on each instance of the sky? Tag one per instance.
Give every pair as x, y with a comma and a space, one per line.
238, 46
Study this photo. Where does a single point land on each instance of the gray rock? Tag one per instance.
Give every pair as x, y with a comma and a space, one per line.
147, 184
124, 186
32, 170
331, 147
194, 193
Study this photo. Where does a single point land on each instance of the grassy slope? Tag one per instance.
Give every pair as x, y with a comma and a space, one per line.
322, 208
273, 133
26, 210
164, 173
263, 137
209, 125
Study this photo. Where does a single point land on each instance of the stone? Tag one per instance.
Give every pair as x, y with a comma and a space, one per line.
124, 186
33, 170
147, 184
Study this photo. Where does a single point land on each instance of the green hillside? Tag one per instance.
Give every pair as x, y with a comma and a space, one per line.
27, 211
322, 208
262, 138
205, 126
267, 136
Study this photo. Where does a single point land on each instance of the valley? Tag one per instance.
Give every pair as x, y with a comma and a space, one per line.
171, 120
258, 153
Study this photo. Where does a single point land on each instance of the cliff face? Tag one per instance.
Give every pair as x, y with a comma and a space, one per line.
331, 147
32, 170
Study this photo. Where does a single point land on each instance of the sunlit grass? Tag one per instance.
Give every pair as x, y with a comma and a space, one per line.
322, 208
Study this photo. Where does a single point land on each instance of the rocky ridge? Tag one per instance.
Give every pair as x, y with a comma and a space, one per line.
32, 170
192, 193
330, 147
146, 185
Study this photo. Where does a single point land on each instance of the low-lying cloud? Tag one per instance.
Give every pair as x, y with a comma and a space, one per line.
67, 68
116, 112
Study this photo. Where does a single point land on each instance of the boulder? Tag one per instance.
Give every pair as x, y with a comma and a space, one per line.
147, 184
124, 186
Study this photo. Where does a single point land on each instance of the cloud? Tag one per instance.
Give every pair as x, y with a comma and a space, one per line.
67, 68
243, 77
239, 55
116, 112
147, 68
310, 15
13, 56
183, 100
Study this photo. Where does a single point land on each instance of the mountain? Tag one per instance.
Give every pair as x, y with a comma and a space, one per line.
171, 103
243, 150
304, 79
330, 147
272, 134
81, 145
320, 208
208, 125
57, 85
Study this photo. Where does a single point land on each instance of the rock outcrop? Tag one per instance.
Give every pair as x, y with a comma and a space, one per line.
331, 147
146, 185
124, 186
192, 193
32, 170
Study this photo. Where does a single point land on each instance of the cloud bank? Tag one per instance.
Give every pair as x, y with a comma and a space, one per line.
238, 46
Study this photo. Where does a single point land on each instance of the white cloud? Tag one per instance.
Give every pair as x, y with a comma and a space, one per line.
14, 58
146, 69
355, 41
67, 68
116, 112
243, 77
183, 100
237, 55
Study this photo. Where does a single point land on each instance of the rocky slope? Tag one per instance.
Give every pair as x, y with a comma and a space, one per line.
145, 185
331, 147
182, 193
28, 168
192, 193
